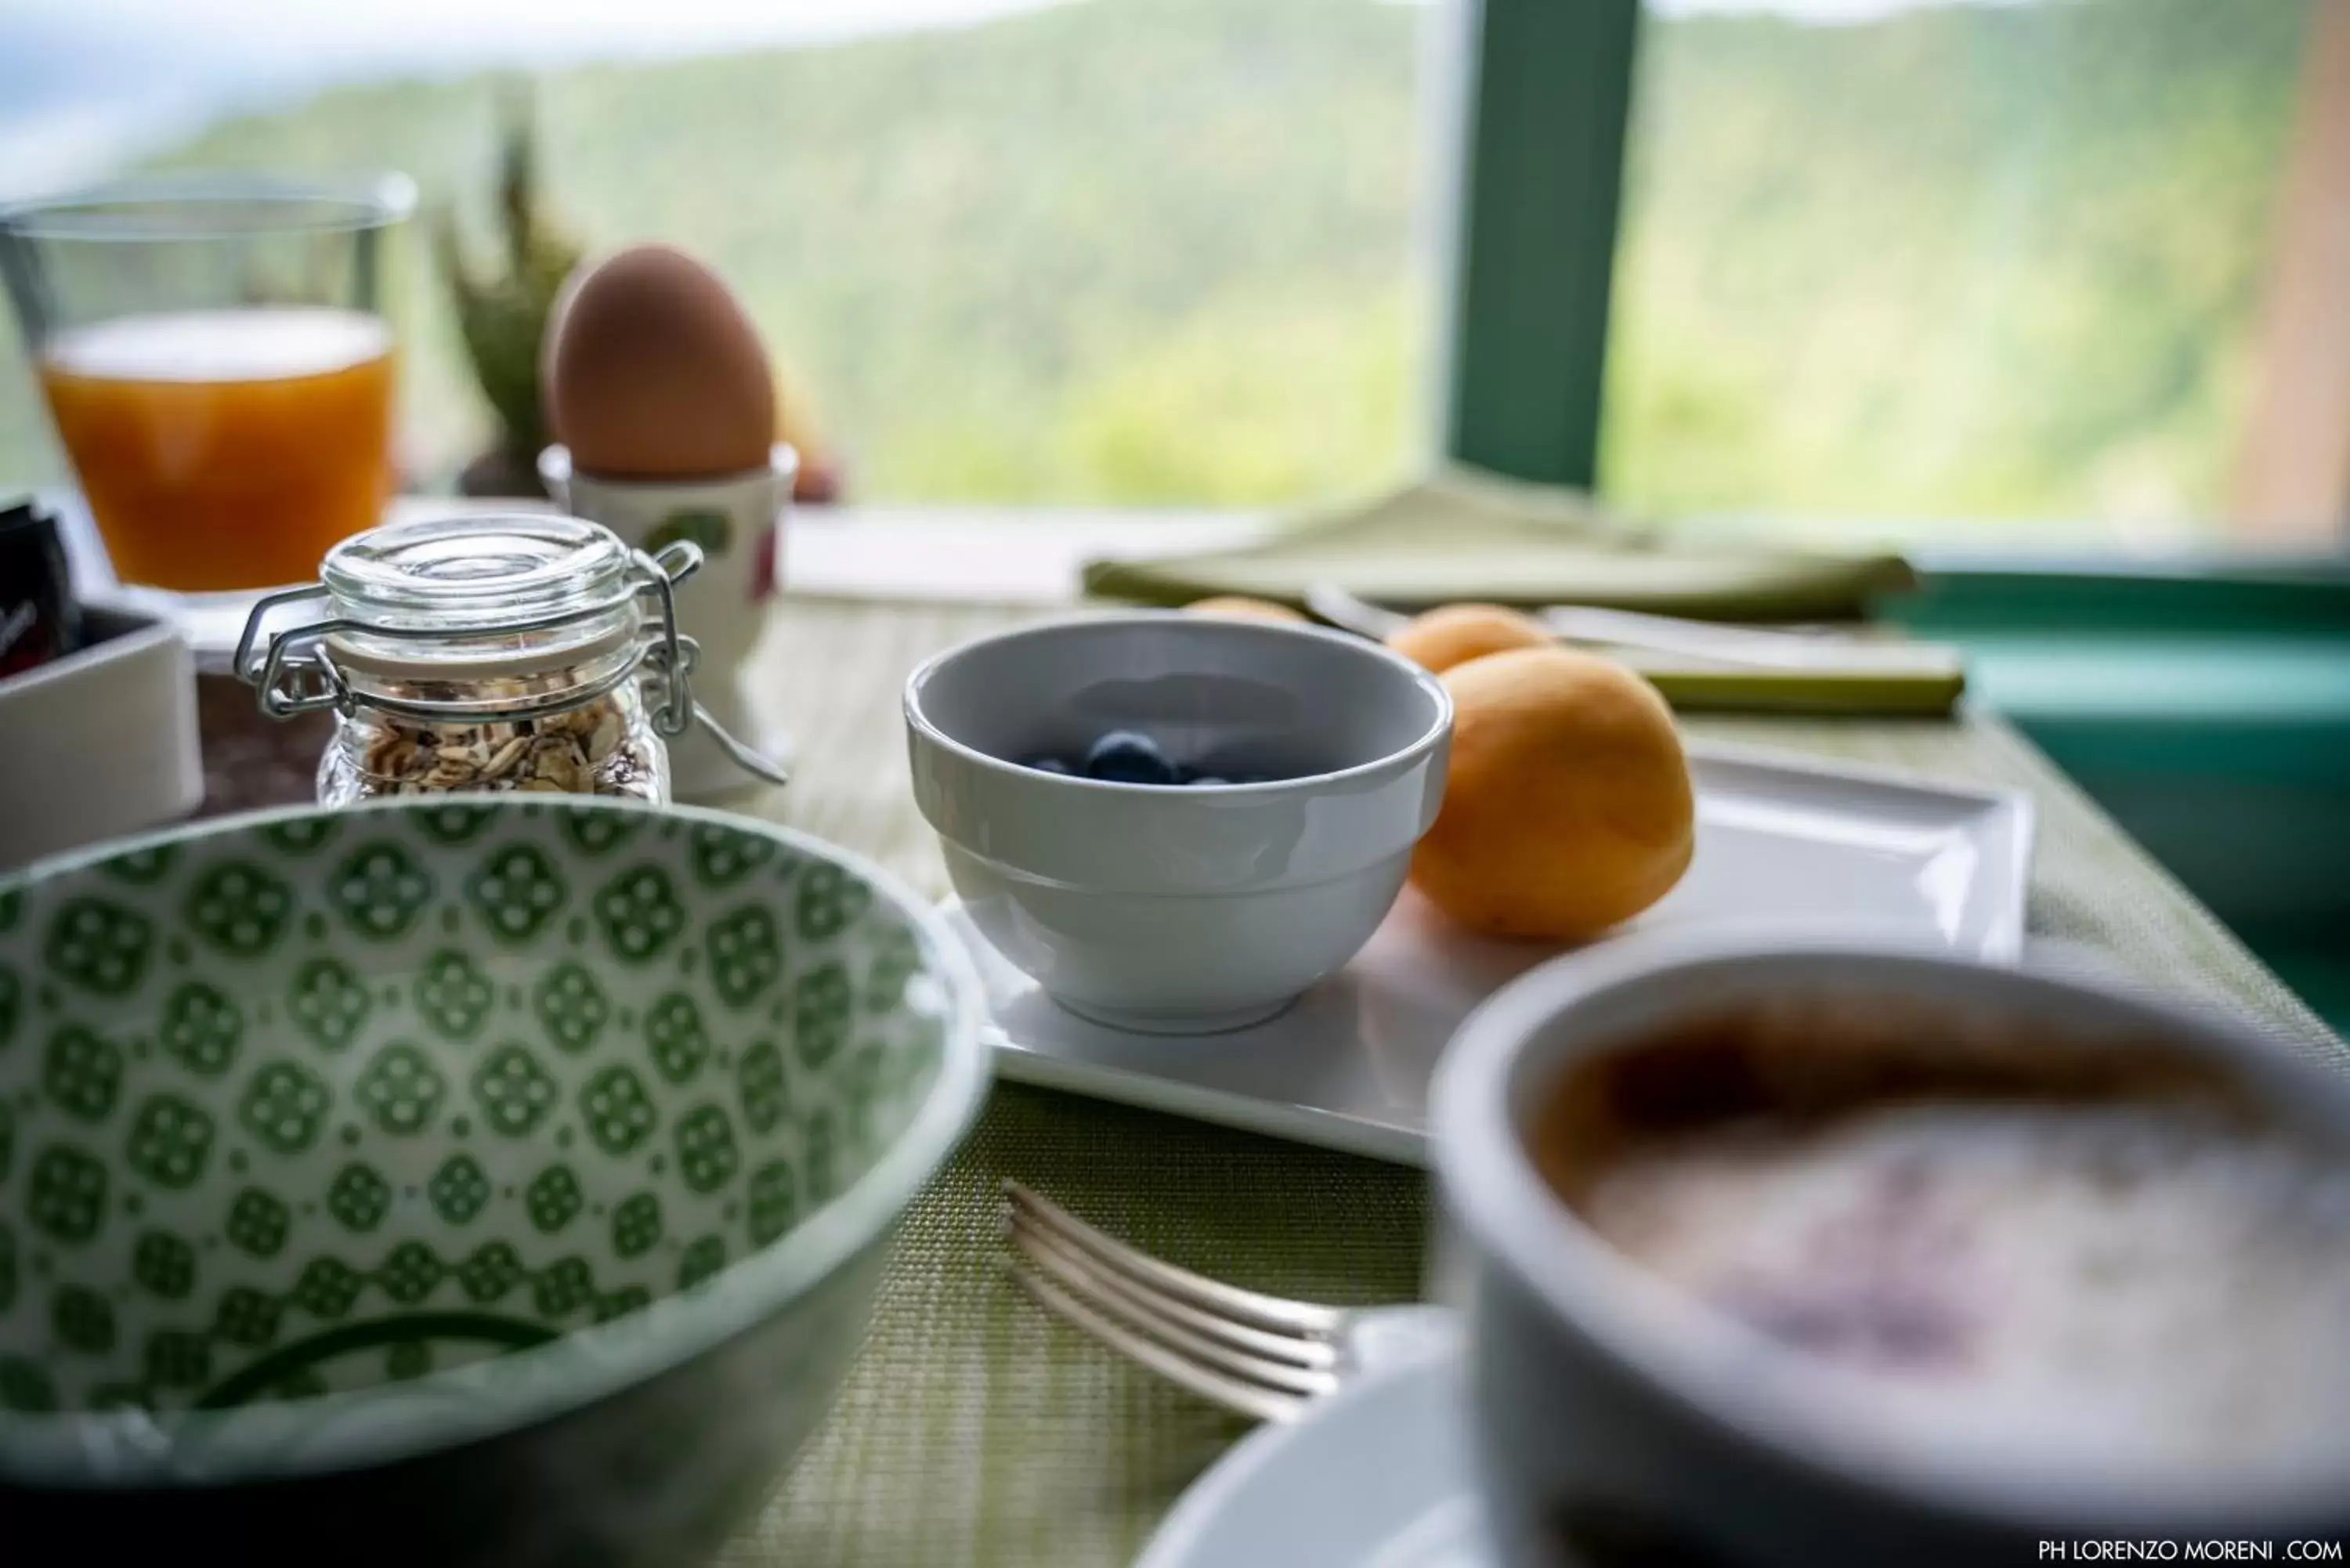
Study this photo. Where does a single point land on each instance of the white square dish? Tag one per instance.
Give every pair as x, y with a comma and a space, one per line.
102, 742
1780, 838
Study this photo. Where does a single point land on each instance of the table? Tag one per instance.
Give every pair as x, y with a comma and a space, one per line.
976, 1430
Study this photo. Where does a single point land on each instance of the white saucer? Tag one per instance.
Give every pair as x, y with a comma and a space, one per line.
1376, 1476
1779, 839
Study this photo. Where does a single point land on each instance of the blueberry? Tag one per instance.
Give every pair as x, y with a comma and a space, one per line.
1048, 765
1122, 756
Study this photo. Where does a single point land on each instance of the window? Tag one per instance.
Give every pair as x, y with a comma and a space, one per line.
1942, 263
1109, 250
1982, 262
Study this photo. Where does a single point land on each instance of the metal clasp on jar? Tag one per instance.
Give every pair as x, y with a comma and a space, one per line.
296, 673
295, 670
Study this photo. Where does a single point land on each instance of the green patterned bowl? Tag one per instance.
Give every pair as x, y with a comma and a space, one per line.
449, 1183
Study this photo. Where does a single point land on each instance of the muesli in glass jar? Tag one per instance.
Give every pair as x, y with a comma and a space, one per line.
486, 654
607, 746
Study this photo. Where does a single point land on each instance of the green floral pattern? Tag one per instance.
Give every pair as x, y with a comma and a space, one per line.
65, 1196
239, 909
265, 1089
99, 946
358, 1197
823, 1012
257, 1223
459, 1189
165, 1265
328, 1003
381, 890
514, 1091
516, 891
202, 1028
673, 1030
453, 993
766, 1095
640, 913
283, 1107
619, 1112
721, 858
553, 1199
636, 1225
830, 901
168, 1140
571, 1007
745, 955
82, 1074
401, 1089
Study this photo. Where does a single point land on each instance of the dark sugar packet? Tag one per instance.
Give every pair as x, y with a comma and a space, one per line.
39, 620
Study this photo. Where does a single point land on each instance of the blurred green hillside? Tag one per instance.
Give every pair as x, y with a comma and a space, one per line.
1996, 261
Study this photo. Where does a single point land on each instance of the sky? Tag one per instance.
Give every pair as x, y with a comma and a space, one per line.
88, 84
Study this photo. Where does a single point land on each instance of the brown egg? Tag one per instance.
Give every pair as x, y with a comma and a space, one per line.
653, 372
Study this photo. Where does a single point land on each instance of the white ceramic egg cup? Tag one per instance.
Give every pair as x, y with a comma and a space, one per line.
738, 521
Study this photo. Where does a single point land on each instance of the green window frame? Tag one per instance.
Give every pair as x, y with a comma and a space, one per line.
1547, 93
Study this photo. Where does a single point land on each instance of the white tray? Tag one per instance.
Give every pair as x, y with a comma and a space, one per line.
1780, 838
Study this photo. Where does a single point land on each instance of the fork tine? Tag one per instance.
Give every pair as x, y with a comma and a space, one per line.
1095, 1289
1248, 1398
1311, 1353
1258, 1311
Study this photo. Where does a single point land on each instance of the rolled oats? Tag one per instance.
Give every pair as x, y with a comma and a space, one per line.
604, 747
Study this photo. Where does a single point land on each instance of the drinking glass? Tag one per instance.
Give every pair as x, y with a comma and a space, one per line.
215, 357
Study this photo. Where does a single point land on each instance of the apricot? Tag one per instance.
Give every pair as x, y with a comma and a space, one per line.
1568, 806
1237, 606
1455, 633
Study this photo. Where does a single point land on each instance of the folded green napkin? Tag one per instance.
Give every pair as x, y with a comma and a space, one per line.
1466, 534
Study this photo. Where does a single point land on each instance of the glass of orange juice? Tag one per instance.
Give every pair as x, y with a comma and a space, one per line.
216, 358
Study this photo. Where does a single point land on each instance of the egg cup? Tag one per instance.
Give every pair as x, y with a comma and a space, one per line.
737, 519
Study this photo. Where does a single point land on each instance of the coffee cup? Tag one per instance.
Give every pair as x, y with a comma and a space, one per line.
1799, 1249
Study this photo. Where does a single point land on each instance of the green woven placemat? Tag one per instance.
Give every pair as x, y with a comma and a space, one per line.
975, 1430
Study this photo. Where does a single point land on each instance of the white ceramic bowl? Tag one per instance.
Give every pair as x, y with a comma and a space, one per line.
1178, 910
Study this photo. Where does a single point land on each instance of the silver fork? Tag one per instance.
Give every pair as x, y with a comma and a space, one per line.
1262, 1356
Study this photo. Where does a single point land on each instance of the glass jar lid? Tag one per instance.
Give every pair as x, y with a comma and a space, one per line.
475, 571
488, 616
474, 599
471, 617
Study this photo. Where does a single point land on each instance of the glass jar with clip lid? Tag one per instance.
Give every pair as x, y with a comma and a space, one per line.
485, 655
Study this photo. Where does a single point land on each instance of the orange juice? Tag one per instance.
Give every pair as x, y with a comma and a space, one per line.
225, 449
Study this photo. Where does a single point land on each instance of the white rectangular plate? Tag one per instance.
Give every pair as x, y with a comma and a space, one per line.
1779, 838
